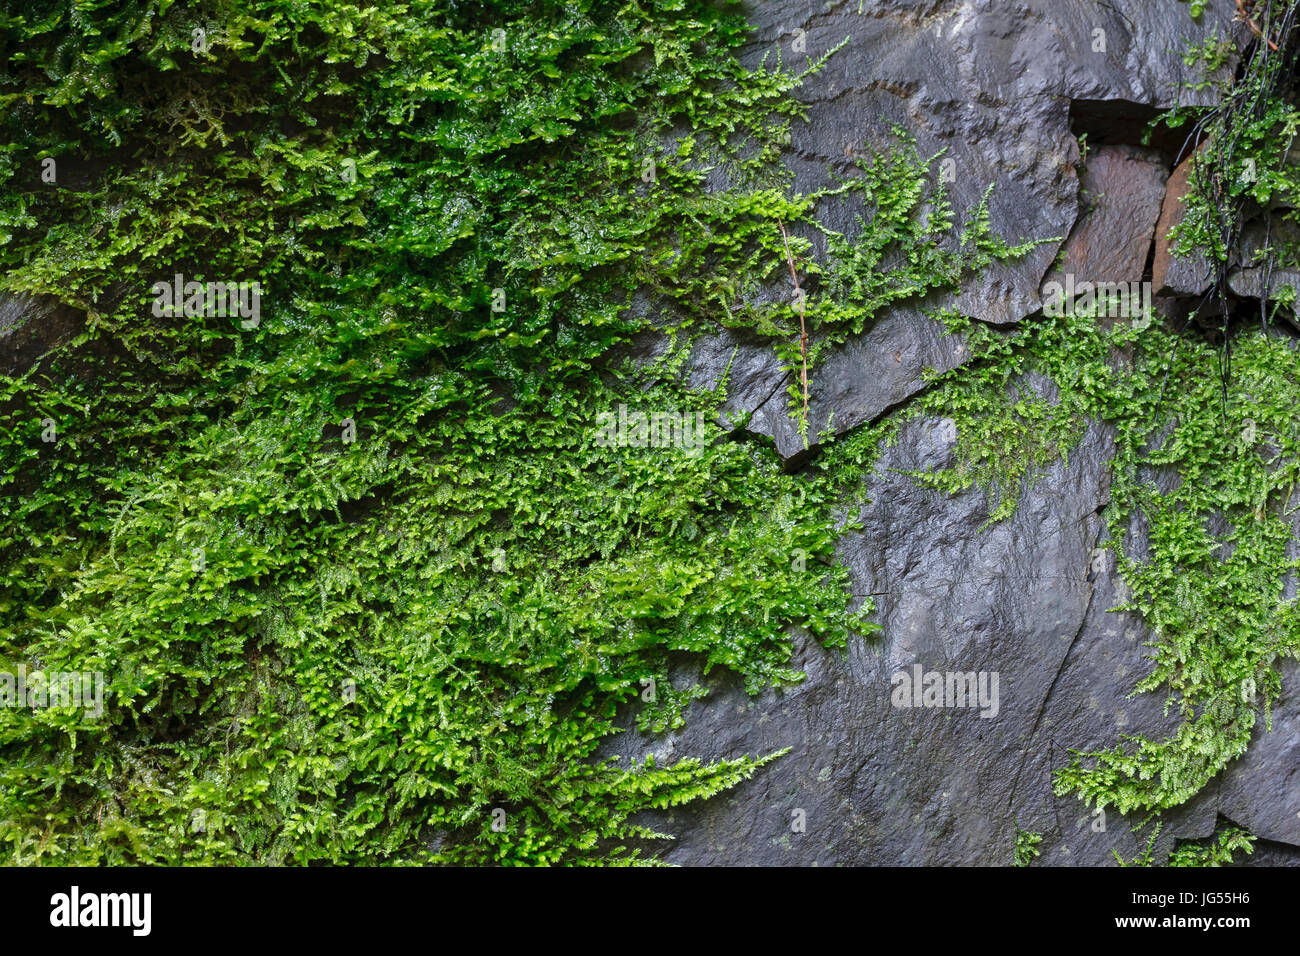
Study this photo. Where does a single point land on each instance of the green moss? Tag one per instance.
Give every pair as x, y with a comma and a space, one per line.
1218, 850
905, 248
410, 647
406, 647
1027, 847
1245, 163
363, 580
1210, 583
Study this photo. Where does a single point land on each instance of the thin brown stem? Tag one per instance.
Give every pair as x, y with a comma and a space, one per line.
1241, 9
803, 328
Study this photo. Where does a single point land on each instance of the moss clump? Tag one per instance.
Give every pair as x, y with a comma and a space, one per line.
1218, 850
1027, 847
1211, 582
364, 581
363, 585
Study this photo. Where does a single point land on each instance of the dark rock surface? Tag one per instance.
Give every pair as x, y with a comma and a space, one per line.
1253, 278
862, 381
886, 784
1122, 190
1029, 598
30, 326
990, 83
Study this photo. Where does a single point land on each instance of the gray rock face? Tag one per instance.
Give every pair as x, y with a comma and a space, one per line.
1254, 278
861, 382
1029, 599
1261, 791
882, 783
990, 84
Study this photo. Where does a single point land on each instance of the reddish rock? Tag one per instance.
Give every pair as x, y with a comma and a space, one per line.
1177, 275
1121, 191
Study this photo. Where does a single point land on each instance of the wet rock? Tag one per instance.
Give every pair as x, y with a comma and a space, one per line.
861, 382
875, 778
1093, 704
1261, 789
1171, 274
1261, 283
887, 784
1029, 599
1256, 277
30, 326
1268, 853
1123, 188
988, 85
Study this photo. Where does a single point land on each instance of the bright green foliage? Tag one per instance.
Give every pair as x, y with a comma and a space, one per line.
902, 249
1247, 161
492, 582
1027, 847
499, 588
1147, 857
1008, 431
1211, 582
905, 249
1211, 586
1217, 851
1222, 423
